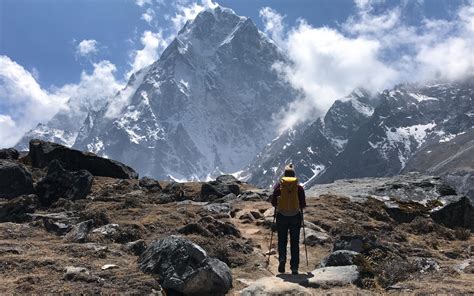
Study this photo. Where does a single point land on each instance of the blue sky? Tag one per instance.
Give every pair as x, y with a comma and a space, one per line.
43, 34
51, 50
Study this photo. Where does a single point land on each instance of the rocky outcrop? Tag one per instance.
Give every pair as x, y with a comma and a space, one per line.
42, 153
184, 267
463, 181
9, 153
219, 188
458, 212
150, 184
15, 180
80, 232
16, 210
60, 183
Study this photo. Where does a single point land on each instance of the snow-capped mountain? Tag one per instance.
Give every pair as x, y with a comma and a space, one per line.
312, 147
407, 119
412, 128
204, 107
64, 127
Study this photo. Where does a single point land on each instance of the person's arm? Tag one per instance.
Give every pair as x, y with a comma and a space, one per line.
276, 194
301, 197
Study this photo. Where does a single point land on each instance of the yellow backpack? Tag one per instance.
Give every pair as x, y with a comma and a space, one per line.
289, 201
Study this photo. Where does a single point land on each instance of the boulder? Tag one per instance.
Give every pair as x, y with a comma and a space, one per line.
9, 153
457, 212
314, 237
80, 232
150, 184
56, 227
79, 274
333, 276
274, 286
42, 153
15, 180
223, 186
426, 264
340, 258
59, 183
174, 191
184, 267
218, 208
17, 209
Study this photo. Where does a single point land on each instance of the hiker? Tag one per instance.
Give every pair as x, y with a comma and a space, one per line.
289, 200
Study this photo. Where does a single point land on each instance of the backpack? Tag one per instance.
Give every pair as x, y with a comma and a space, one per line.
289, 201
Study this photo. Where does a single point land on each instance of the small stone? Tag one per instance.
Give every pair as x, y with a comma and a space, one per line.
109, 266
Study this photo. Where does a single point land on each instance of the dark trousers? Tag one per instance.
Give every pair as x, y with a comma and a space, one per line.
293, 225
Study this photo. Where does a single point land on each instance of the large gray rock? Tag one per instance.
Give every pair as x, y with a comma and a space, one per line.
349, 242
274, 286
333, 276
185, 267
42, 153
223, 186
15, 180
60, 183
457, 212
463, 181
340, 258
9, 153
16, 210
312, 237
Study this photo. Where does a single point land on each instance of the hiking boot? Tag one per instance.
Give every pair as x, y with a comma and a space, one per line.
281, 267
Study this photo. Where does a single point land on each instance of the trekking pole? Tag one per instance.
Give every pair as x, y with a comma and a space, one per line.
304, 238
271, 236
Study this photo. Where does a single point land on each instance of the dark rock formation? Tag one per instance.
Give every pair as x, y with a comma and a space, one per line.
60, 183
150, 184
42, 153
16, 210
9, 153
136, 247
458, 212
219, 188
184, 267
340, 258
15, 180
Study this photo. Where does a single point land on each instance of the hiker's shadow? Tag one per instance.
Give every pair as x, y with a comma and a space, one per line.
295, 278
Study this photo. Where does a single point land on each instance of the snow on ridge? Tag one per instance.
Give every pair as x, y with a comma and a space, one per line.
364, 109
420, 97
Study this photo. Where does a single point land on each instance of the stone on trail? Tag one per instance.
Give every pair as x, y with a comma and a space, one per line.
184, 267
332, 276
274, 286
15, 180
314, 237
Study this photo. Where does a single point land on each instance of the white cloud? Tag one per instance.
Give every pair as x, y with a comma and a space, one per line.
153, 44
141, 3
87, 47
273, 24
148, 15
185, 12
370, 50
25, 103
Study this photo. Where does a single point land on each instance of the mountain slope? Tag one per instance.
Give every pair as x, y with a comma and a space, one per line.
407, 119
203, 108
311, 147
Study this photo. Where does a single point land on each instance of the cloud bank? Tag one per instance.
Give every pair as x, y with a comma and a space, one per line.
369, 50
87, 47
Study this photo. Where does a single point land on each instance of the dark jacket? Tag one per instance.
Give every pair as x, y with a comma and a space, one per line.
277, 192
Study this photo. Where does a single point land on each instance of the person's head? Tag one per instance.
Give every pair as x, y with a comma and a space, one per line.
289, 171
